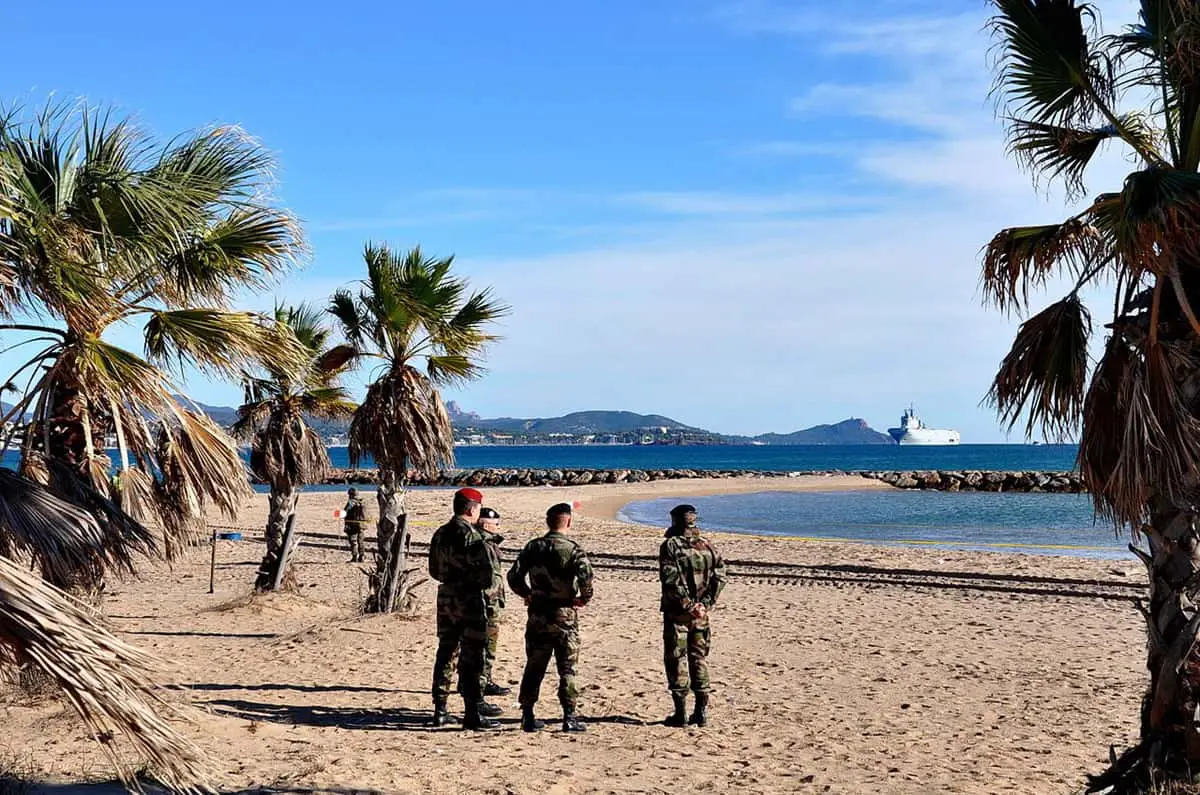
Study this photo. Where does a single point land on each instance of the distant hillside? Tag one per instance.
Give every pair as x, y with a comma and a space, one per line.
579, 422
590, 423
852, 431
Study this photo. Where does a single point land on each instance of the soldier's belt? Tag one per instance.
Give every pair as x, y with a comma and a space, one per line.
550, 604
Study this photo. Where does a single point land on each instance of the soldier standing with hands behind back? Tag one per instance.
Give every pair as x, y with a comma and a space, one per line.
692, 575
489, 525
559, 581
461, 561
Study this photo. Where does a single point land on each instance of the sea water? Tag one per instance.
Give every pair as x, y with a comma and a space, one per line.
1037, 523
1053, 524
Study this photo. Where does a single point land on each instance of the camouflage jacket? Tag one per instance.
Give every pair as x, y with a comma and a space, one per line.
460, 560
558, 573
690, 570
354, 515
495, 594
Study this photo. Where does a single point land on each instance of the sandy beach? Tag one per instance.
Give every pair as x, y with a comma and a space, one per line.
836, 667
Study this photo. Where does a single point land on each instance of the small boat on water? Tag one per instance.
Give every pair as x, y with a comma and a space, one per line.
913, 431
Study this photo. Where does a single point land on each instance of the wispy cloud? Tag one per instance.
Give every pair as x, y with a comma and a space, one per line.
730, 205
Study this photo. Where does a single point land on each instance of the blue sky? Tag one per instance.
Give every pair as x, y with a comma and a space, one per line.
750, 216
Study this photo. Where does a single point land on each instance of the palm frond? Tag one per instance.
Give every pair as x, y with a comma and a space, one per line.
1064, 152
331, 403
219, 342
1047, 67
1045, 373
1024, 257
287, 453
244, 249
1142, 438
62, 537
108, 682
355, 323
124, 537
403, 425
336, 359
1154, 220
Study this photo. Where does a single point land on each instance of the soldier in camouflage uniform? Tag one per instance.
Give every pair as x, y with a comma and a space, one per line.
489, 526
559, 581
354, 521
692, 575
462, 562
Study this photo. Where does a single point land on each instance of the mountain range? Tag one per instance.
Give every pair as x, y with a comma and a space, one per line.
851, 431
585, 423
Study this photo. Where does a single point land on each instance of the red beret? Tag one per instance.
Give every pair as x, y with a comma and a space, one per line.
471, 494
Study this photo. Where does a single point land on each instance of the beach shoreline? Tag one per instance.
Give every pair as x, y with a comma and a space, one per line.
605, 501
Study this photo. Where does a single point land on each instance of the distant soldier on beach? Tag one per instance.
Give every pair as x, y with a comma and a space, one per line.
489, 525
462, 563
354, 522
692, 575
554, 577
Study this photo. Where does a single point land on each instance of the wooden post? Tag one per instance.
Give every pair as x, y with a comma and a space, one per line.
285, 552
212, 566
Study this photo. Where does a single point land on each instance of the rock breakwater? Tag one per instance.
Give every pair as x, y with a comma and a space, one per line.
941, 480
938, 480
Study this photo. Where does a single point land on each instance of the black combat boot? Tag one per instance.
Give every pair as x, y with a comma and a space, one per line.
493, 689
489, 710
679, 716
528, 722
571, 723
700, 715
475, 721
441, 715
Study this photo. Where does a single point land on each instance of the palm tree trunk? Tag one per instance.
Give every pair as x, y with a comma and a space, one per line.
65, 438
1169, 746
391, 548
281, 508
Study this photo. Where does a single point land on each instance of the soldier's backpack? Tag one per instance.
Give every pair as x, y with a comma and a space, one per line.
356, 511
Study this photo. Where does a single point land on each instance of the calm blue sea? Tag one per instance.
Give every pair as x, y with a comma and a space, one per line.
1050, 524
1037, 523
1017, 457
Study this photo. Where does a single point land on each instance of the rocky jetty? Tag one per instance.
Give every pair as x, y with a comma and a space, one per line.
974, 480
556, 477
939, 480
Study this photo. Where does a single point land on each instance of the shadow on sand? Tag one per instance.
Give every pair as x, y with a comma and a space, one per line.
322, 716
116, 788
300, 688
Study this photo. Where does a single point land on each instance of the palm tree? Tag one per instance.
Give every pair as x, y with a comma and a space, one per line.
1065, 88
108, 682
103, 229
410, 311
286, 453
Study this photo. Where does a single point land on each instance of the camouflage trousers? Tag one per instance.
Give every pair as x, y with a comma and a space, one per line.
494, 611
354, 538
686, 638
551, 633
461, 629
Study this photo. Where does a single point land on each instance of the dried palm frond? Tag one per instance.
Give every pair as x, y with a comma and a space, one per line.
1143, 439
1024, 257
199, 464
107, 681
1045, 372
59, 535
134, 491
402, 423
125, 538
287, 452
